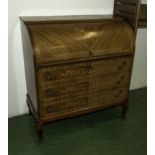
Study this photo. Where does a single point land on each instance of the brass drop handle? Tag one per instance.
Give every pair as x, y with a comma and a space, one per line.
86, 85
119, 93
118, 82
116, 96
49, 76
83, 101
65, 90
124, 62
87, 69
50, 110
122, 77
120, 67
66, 106
67, 73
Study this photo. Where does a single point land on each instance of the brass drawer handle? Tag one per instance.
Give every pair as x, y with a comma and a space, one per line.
84, 101
119, 93
86, 86
65, 90
65, 106
50, 93
120, 68
124, 62
83, 85
122, 77
87, 69
118, 82
67, 73
49, 76
116, 96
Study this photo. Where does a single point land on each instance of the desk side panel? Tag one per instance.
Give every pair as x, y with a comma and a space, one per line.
29, 65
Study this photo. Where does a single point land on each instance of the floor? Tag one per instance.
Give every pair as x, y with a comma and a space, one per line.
99, 133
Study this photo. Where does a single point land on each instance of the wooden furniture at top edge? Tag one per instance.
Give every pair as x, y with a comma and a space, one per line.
79, 66
142, 20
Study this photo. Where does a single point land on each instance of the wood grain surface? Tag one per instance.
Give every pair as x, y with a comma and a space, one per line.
142, 21
64, 88
57, 42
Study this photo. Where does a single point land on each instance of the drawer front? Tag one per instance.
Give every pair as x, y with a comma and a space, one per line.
108, 66
61, 72
65, 106
76, 85
62, 90
101, 96
109, 81
67, 82
65, 98
97, 98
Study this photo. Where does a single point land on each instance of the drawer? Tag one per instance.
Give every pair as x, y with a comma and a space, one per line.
65, 98
60, 72
71, 87
94, 82
100, 96
113, 80
96, 98
107, 66
76, 80
64, 107
51, 92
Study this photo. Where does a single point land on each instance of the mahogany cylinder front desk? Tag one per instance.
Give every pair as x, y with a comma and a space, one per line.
77, 67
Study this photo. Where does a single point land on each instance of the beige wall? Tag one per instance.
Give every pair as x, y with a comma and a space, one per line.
17, 85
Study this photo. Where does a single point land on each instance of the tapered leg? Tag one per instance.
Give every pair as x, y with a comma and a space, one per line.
40, 129
125, 107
